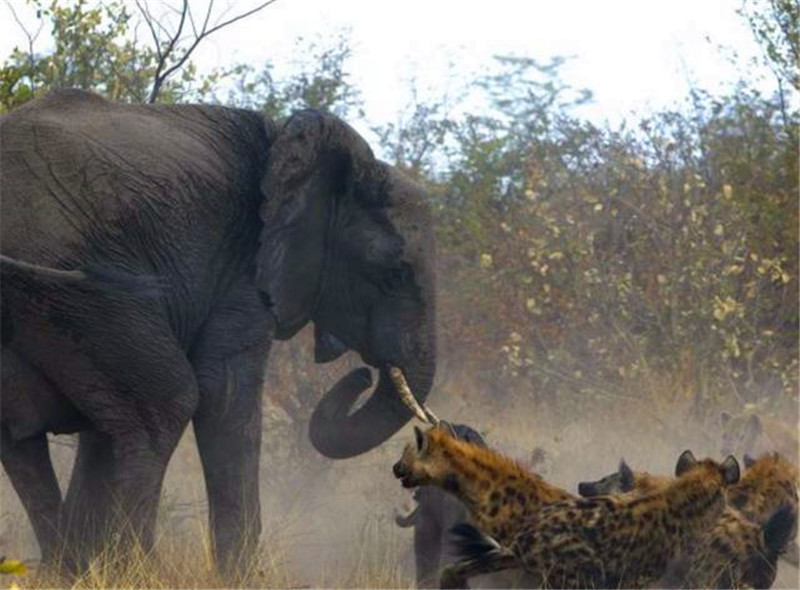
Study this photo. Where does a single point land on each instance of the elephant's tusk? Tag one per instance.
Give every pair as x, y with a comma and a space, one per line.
418, 409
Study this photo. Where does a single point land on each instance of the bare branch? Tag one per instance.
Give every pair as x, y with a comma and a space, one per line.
148, 19
208, 16
240, 17
162, 74
158, 78
31, 41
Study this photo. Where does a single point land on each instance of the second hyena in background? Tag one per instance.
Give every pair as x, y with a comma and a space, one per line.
750, 433
739, 550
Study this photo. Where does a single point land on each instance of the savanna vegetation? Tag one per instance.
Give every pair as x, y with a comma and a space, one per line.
580, 265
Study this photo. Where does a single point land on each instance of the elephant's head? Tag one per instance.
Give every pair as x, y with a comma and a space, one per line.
348, 243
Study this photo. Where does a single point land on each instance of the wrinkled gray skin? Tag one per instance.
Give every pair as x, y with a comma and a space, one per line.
433, 517
150, 256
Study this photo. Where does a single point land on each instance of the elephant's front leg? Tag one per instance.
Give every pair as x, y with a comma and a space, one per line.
230, 364
229, 450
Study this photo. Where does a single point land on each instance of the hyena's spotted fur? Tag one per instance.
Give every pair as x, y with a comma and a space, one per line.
608, 541
736, 552
769, 482
496, 490
739, 553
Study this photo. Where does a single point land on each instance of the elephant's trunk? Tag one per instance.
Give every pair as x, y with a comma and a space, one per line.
339, 435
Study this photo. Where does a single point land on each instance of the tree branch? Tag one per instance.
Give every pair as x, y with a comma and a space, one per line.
162, 71
148, 19
31, 41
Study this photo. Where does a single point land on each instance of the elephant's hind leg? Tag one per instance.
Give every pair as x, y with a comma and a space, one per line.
124, 371
27, 463
85, 513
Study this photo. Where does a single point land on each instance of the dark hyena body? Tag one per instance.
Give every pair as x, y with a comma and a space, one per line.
735, 552
608, 541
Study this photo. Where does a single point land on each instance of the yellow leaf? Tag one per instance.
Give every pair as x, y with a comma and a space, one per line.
727, 191
719, 230
12, 566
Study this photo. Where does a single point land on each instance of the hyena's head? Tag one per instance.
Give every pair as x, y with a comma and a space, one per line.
426, 461
624, 480
707, 470
740, 434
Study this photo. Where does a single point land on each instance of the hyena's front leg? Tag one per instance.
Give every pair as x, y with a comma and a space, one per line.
458, 574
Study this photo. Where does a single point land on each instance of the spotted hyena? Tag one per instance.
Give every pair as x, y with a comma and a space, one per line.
769, 482
751, 433
496, 490
607, 541
735, 552
623, 480
434, 514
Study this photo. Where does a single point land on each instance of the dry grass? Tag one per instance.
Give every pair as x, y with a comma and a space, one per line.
329, 523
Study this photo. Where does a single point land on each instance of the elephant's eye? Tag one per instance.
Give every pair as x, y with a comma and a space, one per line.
395, 279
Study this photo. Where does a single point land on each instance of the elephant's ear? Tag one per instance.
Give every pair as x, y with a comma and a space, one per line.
315, 163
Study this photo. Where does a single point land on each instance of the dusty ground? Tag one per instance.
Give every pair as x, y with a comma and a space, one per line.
331, 524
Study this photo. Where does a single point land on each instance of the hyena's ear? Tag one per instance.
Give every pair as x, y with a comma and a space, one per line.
730, 470
748, 461
685, 462
420, 437
626, 478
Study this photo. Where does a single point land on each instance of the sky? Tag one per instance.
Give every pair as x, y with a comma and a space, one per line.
634, 55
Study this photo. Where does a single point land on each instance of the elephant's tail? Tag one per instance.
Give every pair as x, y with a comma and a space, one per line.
93, 276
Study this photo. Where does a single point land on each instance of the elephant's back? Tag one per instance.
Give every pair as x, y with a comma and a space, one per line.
79, 169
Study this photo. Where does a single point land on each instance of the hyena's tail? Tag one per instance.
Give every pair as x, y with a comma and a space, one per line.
471, 543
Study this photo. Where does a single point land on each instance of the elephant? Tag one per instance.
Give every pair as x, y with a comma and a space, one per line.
150, 255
